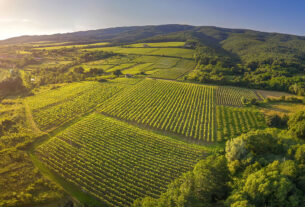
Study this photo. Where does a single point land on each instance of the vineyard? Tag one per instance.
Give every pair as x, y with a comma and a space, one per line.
231, 96
231, 121
182, 108
117, 162
180, 69
57, 106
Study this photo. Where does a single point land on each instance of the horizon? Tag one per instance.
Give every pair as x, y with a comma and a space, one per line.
34, 17
234, 28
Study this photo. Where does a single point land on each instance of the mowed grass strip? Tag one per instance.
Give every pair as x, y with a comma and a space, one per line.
117, 162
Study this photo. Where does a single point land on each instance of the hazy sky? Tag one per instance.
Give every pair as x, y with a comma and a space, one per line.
21, 17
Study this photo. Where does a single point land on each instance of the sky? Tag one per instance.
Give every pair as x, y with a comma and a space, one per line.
35, 17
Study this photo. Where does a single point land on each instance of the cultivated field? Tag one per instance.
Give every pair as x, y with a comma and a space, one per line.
55, 107
117, 162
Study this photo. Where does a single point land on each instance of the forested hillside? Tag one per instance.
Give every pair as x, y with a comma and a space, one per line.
223, 56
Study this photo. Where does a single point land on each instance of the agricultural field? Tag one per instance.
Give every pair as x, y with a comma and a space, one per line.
232, 95
181, 68
233, 121
168, 52
58, 46
157, 44
282, 108
117, 162
137, 69
55, 107
129, 81
181, 108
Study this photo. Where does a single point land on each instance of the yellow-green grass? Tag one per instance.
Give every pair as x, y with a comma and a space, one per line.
138, 68
273, 94
48, 64
158, 44
70, 46
121, 67
3, 74
88, 66
129, 81
282, 108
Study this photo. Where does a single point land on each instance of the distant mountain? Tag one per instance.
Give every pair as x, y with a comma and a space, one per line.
224, 56
243, 44
117, 34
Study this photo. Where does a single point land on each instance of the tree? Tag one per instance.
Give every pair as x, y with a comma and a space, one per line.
277, 121
79, 70
117, 72
296, 125
206, 186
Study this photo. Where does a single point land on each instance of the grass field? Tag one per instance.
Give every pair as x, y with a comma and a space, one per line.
55, 107
117, 162
138, 68
58, 46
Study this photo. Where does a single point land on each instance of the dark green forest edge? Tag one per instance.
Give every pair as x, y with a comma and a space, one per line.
260, 168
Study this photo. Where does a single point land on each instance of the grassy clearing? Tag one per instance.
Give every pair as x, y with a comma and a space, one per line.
282, 108
51, 47
138, 68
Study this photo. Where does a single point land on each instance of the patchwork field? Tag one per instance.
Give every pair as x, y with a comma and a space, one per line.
158, 44
168, 52
181, 108
117, 162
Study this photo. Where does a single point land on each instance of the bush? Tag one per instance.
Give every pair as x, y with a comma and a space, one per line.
277, 121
